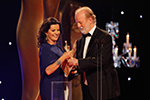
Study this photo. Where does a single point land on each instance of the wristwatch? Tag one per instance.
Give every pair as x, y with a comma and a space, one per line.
58, 62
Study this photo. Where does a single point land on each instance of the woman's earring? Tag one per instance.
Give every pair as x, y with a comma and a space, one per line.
46, 38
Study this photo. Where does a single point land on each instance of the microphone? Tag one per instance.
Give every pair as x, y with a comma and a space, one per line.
97, 47
102, 41
96, 41
99, 71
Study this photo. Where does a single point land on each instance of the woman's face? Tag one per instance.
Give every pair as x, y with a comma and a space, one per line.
53, 34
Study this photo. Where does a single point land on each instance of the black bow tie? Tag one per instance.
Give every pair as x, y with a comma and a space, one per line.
85, 35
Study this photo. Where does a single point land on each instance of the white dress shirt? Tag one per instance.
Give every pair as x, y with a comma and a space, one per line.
87, 41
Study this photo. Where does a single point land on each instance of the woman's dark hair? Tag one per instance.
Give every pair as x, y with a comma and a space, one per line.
44, 28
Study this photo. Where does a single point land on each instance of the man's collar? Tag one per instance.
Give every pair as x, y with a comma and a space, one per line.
92, 30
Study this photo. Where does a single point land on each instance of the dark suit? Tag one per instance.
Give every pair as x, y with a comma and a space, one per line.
110, 83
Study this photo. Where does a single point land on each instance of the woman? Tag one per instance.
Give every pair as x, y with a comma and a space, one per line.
51, 57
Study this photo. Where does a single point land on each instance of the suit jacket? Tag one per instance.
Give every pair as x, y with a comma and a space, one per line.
110, 83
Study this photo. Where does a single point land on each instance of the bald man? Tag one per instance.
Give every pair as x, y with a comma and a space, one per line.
88, 47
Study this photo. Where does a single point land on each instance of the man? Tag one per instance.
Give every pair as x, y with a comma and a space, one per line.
88, 47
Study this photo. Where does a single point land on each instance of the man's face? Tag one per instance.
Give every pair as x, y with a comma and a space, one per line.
83, 22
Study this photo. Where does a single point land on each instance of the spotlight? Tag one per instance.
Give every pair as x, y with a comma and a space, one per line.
2, 99
10, 43
141, 16
129, 78
0, 82
122, 12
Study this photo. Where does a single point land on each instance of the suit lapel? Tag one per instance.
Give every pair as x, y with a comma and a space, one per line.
81, 47
92, 41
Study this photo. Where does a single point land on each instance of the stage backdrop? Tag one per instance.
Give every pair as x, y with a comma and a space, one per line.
32, 14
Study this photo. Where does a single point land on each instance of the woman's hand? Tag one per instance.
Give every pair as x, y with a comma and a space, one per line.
67, 55
71, 53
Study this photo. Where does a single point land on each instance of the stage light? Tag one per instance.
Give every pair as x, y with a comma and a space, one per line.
2, 99
0, 82
141, 16
129, 78
122, 12
10, 43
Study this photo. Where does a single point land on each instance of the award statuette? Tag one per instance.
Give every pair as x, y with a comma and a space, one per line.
64, 65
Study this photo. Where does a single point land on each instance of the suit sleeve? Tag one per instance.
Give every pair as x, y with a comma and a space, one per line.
90, 62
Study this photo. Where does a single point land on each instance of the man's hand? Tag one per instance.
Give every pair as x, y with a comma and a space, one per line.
72, 62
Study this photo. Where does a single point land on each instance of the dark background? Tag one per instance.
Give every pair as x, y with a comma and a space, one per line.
106, 11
